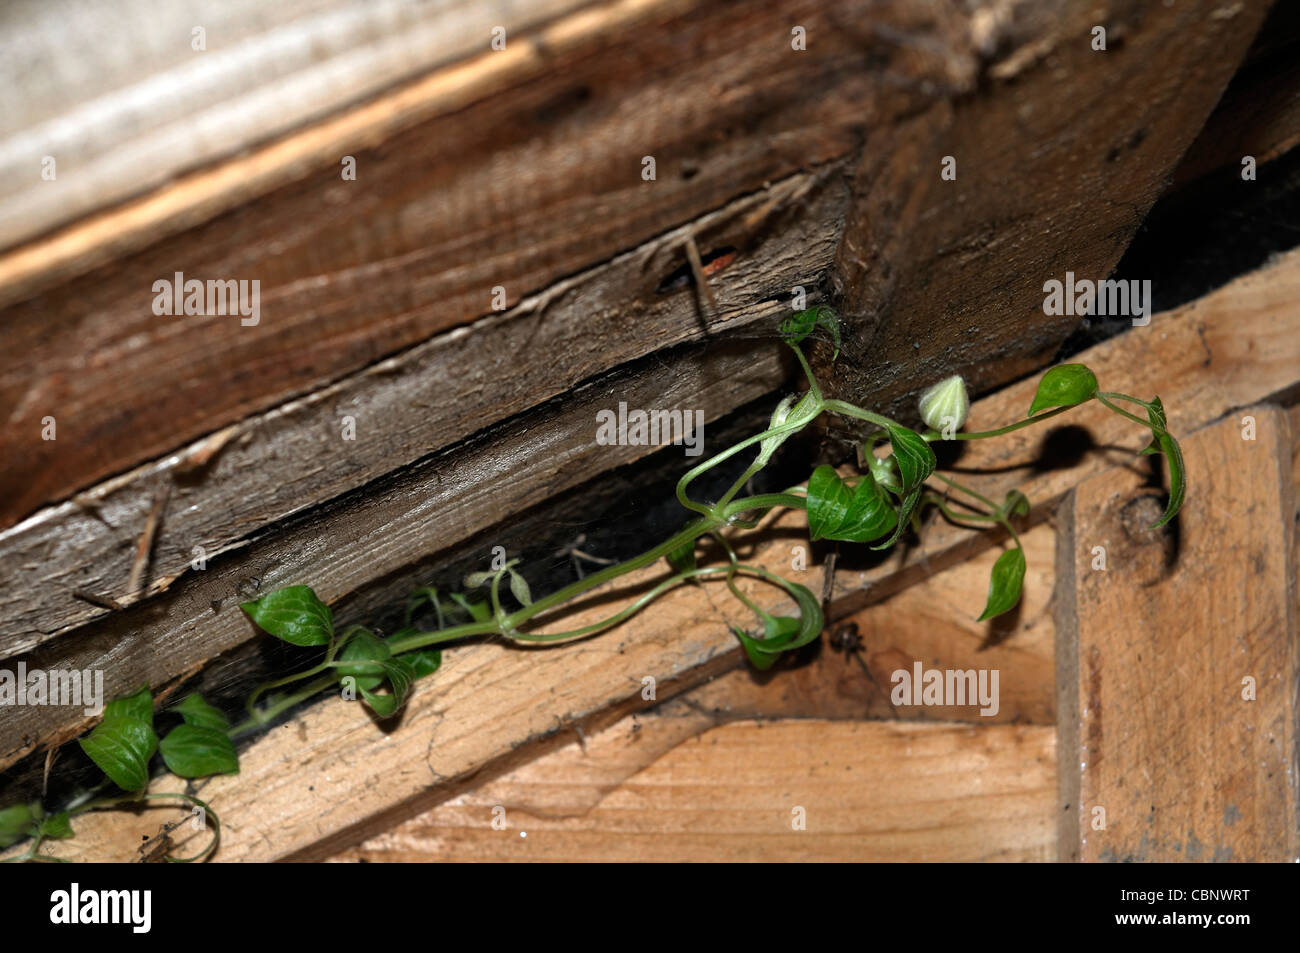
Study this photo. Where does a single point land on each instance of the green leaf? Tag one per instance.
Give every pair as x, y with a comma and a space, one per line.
915, 459
760, 659
682, 559
293, 614
196, 751
195, 711
363, 647
121, 745
905, 511
16, 823
478, 611
57, 826
399, 675
1016, 504
138, 705
1005, 582
1162, 441
423, 661
1064, 386
836, 511
828, 502
1177, 476
797, 327
519, 589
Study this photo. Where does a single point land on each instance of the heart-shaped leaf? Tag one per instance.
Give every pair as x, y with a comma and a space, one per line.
1064, 386
197, 751
138, 705
423, 661
121, 745
836, 511
363, 647
1005, 583
195, 711
915, 459
293, 614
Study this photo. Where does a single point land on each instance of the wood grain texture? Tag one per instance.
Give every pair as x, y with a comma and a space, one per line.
428, 507
498, 707
1236, 346
1057, 163
869, 791
117, 94
1157, 727
539, 180
228, 487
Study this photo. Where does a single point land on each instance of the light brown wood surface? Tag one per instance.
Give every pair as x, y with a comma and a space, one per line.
867, 791
1159, 651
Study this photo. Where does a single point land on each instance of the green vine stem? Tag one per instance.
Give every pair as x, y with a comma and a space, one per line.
881, 503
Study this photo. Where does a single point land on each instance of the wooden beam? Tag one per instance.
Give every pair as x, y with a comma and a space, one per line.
1056, 164
87, 90
1178, 666
1233, 348
449, 203
866, 791
229, 487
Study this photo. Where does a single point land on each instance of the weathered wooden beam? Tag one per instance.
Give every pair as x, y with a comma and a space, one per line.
1056, 163
229, 487
1179, 665
344, 544
449, 203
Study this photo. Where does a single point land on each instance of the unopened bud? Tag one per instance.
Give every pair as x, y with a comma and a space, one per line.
945, 405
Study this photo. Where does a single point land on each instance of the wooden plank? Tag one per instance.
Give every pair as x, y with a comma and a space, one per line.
869, 791
481, 716
270, 466
1159, 727
1106, 128
441, 500
1236, 346
122, 100
449, 203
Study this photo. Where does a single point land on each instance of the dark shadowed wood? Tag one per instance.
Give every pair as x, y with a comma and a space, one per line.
1057, 162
